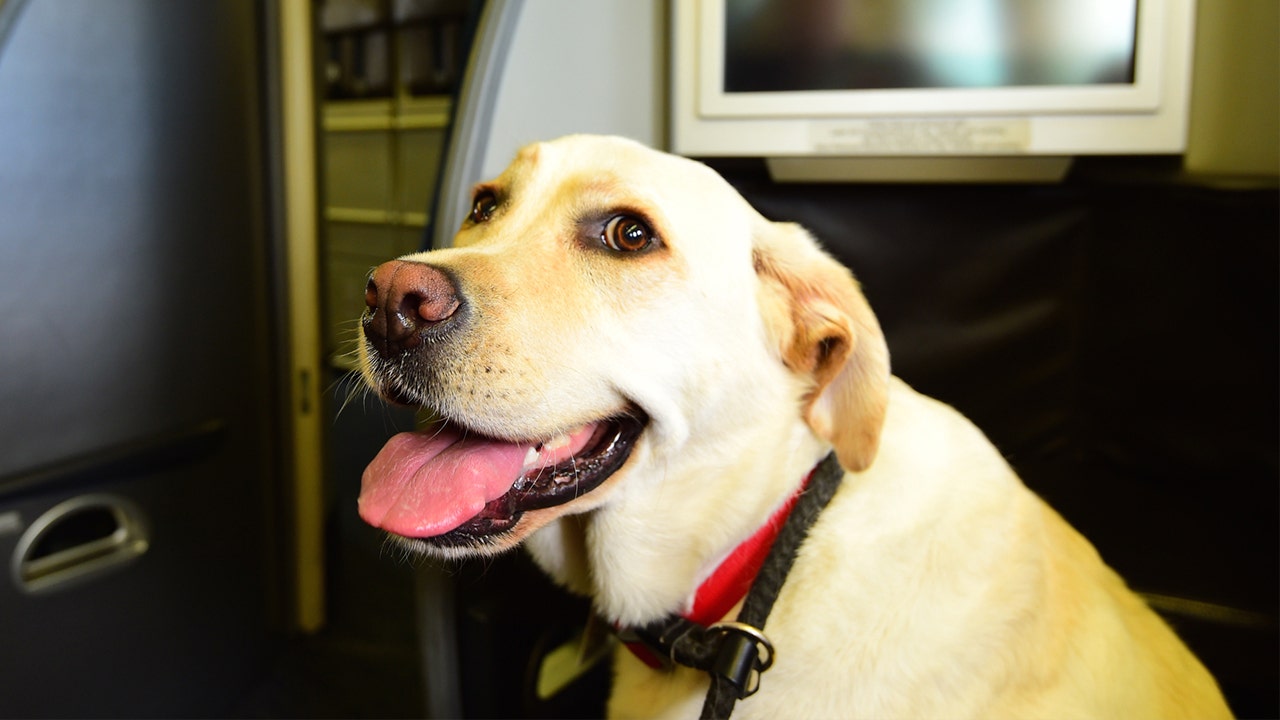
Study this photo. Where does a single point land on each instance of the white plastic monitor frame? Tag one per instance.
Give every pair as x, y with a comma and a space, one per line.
997, 127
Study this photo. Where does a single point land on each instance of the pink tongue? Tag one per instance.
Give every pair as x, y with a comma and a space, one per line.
428, 483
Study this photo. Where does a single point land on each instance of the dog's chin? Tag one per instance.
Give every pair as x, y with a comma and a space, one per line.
538, 496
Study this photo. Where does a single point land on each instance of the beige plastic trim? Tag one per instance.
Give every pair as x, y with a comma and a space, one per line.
372, 216
302, 248
407, 113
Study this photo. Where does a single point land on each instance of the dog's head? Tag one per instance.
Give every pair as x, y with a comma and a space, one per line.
608, 316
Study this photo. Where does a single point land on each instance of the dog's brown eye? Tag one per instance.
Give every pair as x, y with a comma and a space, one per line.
483, 206
626, 234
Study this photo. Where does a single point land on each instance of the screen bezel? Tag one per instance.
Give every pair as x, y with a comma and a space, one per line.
1143, 94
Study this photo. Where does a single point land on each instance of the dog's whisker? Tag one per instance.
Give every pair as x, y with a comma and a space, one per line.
349, 388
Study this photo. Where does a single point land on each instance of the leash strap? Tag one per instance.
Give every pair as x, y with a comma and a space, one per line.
736, 653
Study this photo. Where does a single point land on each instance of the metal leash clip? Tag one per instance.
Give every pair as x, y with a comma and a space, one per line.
744, 655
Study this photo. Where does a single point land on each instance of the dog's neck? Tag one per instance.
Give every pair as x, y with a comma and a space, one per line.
644, 556
732, 578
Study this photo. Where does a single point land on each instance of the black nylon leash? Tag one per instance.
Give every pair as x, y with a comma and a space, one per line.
735, 654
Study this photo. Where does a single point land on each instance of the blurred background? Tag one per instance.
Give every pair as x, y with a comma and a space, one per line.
193, 193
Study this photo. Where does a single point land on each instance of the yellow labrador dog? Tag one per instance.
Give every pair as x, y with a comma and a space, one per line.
634, 371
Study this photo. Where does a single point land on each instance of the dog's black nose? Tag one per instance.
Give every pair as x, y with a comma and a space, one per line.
407, 301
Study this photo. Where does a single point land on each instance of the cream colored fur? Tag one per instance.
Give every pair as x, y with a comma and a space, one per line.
934, 585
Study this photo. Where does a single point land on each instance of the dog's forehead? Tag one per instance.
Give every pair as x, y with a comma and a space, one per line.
602, 153
590, 162
590, 172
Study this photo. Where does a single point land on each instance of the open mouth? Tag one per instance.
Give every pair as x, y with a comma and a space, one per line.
452, 487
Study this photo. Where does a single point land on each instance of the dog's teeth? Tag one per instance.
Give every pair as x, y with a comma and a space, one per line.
534, 456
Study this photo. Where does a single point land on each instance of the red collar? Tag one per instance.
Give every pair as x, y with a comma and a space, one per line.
732, 579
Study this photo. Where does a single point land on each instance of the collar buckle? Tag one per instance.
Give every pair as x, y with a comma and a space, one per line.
744, 654
734, 652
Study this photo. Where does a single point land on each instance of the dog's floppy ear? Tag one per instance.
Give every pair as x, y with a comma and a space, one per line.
815, 311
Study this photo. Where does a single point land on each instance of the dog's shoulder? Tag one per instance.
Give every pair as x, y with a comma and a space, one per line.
938, 584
